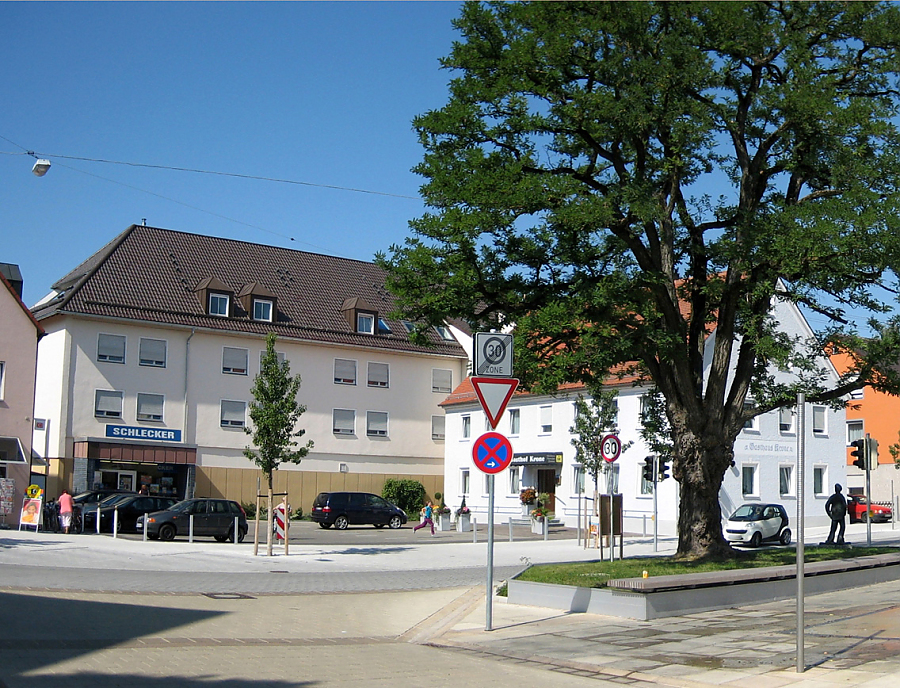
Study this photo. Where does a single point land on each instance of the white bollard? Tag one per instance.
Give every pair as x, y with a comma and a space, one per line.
474, 530
98, 518
510, 529
144, 536
546, 527
237, 523
191, 528
115, 522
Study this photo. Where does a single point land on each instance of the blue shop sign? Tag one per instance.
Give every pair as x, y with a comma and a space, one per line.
124, 432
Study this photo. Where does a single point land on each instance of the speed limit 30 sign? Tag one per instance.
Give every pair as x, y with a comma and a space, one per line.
611, 448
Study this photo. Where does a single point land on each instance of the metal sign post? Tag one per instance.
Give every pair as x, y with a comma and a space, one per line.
489, 592
801, 454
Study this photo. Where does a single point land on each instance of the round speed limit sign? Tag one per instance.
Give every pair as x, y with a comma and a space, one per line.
611, 448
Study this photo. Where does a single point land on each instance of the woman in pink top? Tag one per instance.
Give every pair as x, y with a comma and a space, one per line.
65, 510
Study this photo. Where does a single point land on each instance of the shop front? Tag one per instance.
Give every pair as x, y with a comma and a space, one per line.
543, 470
152, 469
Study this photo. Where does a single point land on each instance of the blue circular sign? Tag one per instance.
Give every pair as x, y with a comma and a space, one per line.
492, 452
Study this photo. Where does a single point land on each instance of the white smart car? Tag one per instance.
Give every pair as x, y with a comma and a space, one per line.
753, 524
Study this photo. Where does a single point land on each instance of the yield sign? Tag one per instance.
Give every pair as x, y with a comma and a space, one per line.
494, 394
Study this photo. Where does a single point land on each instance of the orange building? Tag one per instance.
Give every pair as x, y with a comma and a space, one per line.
878, 415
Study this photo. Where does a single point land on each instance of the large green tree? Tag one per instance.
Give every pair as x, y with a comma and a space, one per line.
274, 413
622, 180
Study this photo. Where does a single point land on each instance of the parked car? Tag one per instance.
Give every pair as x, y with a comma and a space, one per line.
754, 524
857, 506
130, 508
342, 509
212, 517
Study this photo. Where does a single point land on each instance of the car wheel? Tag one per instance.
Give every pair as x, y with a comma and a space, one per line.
785, 538
221, 538
242, 533
341, 523
395, 522
324, 525
756, 539
167, 532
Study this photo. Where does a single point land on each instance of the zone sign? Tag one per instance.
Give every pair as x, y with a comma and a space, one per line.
493, 354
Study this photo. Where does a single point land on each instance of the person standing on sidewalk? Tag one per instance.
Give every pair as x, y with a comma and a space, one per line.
428, 512
65, 510
836, 508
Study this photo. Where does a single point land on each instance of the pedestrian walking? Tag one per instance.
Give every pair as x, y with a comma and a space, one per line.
66, 507
428, 512
836, 508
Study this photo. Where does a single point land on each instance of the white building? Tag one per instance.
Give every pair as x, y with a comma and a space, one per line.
153, 343
538, 427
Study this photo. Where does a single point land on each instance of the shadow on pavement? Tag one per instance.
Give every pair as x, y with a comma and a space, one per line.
97, 680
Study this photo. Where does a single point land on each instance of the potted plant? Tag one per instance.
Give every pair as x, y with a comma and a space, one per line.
442, 520
538, 516
527, 497
463, 518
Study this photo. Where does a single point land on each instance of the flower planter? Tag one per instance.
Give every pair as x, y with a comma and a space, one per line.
464, 523
443, 522
537, 526
527, 509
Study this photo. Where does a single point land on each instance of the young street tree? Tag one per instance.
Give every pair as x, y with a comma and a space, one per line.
274, 414
595, 417
634, 185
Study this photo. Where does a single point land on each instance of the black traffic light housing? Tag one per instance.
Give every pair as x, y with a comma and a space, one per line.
648, 469
859, 453
663, 470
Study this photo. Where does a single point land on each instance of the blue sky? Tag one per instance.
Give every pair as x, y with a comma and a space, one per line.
322, 93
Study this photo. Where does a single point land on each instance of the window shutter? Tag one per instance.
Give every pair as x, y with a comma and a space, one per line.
153, 352
344, 421
150, 406
109, 404
378, 375
111, 347
233, 413
442, 380
344, 371
818, 418
377, 423
234, 361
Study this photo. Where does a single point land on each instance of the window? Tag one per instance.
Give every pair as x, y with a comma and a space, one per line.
578, 478
857, 393
854, 431
786, 480
487, 484
152, 352
515, 480
234, 361
444, 333
233, 414
365, 323
614, 478
111, 348
378, 375
546, 419
464, 485
438, 427
487, 424
466, 427
344, 422
514, 420
753, 424
218, 305
344, 371
786, 419
376, 423
107, 404
748, 480
646, 485
441, 380
383, 327
279, 357
819, 481
818, 420
150, 406
408, 326
262, 310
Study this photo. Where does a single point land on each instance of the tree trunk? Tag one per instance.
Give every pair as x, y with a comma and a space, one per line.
269, 519
700, 469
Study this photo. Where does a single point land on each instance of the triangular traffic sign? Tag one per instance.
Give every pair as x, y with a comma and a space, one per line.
494, 394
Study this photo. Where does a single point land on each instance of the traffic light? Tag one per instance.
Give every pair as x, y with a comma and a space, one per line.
859, 453
663, 468
873, 453
648, 469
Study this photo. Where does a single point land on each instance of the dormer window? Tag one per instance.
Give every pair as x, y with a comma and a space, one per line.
365, 323
218, 305
262, 310
383, 327
444, 333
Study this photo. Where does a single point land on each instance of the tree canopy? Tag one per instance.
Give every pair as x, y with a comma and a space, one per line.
620, 180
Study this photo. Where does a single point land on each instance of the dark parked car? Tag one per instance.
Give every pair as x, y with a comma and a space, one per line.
342, 509
212, 517
130, 508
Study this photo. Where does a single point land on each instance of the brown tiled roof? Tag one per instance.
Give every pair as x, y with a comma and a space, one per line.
150, 275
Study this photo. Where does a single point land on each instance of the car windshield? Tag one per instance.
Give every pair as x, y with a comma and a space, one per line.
114, 499
184, 505
747, 512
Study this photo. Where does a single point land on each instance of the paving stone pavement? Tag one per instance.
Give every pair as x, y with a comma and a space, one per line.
100, 613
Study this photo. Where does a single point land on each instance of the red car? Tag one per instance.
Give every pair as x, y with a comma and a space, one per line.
857, 505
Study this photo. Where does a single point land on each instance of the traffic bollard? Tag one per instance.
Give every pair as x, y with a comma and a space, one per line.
237, 522
144, 536
115, 522
98, 518
191, 528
